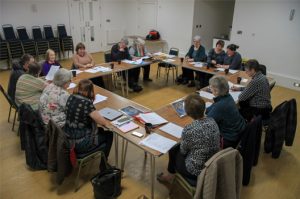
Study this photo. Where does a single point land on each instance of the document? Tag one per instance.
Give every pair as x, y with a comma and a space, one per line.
206, 95
171, 56
172, 129
145, 57
72, 85
235, 95
77, 71
158, 143
139, 61
98, 69
52, 72
207, 104
235, 85
220, 69
198, 64
233, 71
128, 127
244, 80
99, 98
168, 60
152, 118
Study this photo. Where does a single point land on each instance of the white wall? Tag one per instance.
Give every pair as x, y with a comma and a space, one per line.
215, 18
270, 37
35, 12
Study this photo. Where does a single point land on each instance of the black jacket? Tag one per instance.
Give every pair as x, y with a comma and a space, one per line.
16, 72
291, 123
200, 55
276, 132
249, 147
32, 135
58, 152
117, 55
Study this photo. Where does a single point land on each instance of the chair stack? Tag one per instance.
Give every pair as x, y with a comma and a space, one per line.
28, 44
15, 47
42, 45
4, 55
53, 41
66, 41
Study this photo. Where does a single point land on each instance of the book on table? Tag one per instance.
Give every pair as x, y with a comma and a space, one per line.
178, 106
131, 111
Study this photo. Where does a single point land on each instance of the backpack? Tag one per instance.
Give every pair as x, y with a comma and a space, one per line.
153, 35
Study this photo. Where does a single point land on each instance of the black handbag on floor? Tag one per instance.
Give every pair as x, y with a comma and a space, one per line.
107, 184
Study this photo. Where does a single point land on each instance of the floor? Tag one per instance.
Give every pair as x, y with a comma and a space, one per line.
271, 178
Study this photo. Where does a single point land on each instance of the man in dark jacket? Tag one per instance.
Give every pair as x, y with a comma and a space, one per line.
119, 52
18, 69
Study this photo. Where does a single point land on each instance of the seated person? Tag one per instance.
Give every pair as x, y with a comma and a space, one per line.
50, 61
232, 59
18, 69
82, 119
138, 50
225, 112
30, 87
216, 55
196, 53
54, 98
200, 141
255, 98
119, 52
82, 59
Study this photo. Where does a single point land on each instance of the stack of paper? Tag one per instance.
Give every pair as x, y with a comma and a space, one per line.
99, 98
158, 143
206, 95
128, 127
172, 129
152, 118
52, 72
235, 95
98, 69
72, 85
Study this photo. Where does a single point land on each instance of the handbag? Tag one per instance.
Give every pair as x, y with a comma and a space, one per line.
107, 183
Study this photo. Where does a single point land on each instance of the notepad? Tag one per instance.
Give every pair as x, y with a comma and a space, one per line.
172, 129
158, 143
206, 95
52, 72
99, 98
130, 126
152, 118
72, 85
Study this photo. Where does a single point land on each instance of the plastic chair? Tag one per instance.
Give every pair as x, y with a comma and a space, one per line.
28, 44
66, 41
53, 41
12, 105
263, 69
15, 47
168, 66
4, 54
42, 45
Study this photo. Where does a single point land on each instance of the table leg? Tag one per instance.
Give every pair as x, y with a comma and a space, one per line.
127, 83
116, 149
152, 166
124, 153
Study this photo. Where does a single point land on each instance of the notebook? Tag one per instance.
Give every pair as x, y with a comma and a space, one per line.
131, 111
128, 127
178, 105
110, 113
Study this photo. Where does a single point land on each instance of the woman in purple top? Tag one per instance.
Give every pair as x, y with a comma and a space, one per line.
50, 61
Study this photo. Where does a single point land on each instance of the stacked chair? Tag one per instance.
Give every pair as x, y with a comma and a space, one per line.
66, 41
4, 55
14, 45
53, 41
42, 44
28, 44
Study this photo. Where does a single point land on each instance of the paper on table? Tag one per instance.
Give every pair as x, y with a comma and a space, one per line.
152, 118
206, 95
168, 60
233, 71
221, 69
172, 129
158, 53
235, 95
244, 80
99, 98
77, 71
104, 69
98, 69
128, 127
235, 85
158, 143
72, 85
171, 56
207, 104
198, 64
52, 72
145, 57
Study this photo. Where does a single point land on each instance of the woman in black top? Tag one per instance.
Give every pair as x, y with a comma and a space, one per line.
217, 54
82, 119
232, 59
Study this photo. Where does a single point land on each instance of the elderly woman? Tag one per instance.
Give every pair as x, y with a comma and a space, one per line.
82, 119
50, 61
81, 58
255, 98
196, 53
225, 112
232, 59
54, 98
30, 87
200, 141
138, 50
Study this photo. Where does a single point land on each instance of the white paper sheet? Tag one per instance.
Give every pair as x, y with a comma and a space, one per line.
244, 80
198, 64
206, 95
152, 118
145, 57
235, 95
77, 71
139, 61
98, 69
221, 69
233, 71
235, 85
52, 72
99, 98
158, 143
72, 85
168, 60
207, 104
171, 56
158, 53
172, 129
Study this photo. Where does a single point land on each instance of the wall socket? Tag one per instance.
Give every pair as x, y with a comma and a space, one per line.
297, 84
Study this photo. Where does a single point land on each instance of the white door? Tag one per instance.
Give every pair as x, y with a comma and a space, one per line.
147, 16
86, 23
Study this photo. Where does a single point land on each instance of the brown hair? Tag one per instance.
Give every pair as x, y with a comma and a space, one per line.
34, 69
232, 47
252, 64
79, 46
85, 88
194, 106
48, 54
221, 43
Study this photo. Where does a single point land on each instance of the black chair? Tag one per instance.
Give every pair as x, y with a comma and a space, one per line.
15, 47
107, 56
28, 44
66, 41
4, 54
53, 41
42, 45
168, 66
263, 69
12, 105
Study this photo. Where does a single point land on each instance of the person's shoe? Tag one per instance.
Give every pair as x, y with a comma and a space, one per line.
191, 84
148, 80
137, 88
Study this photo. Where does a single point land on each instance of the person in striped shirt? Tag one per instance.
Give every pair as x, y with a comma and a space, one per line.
30, 87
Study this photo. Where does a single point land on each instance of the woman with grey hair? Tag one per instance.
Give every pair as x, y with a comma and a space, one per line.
196, 53
54, 98
225, 112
